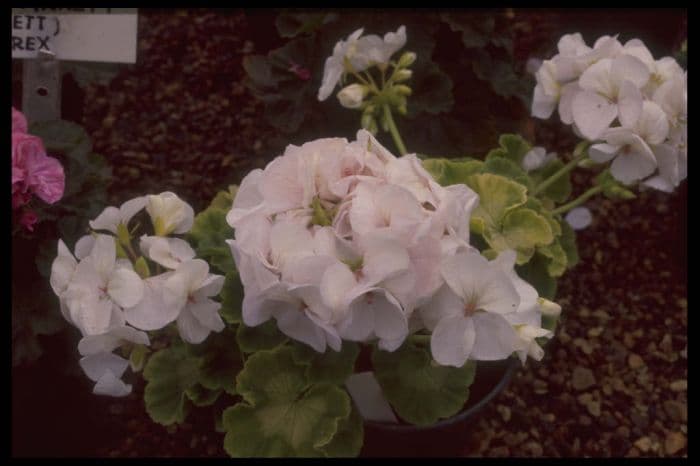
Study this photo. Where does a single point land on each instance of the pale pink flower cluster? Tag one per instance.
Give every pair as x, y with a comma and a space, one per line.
340, 240
633, 106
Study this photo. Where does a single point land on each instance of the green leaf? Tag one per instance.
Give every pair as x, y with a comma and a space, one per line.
332, 366
512, 147
523, 230
208, 237
557, 258
560, 190
539, 207
421, 391
448, 172
292, 24
262, 337
300, 426
231, 298
535, 273
497, 195
432, 91
505, 167
347, 441
201, 396
223, 199
138, 356
63, 136
221, 361
568, 243
169, 373
272, 375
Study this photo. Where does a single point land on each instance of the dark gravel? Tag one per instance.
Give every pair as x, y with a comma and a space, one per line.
614, 379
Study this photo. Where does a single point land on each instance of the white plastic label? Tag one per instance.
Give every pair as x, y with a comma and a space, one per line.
103, 37
369, 398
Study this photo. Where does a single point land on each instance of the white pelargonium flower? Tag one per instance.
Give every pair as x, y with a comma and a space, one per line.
466, 315
104, 367
112, 217
99, 286
169, 214
189, 288
360, 53
610, 88
630, 144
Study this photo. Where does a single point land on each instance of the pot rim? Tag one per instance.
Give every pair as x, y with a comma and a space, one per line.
513, 364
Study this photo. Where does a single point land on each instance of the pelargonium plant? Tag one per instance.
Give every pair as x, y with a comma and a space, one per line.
340, 258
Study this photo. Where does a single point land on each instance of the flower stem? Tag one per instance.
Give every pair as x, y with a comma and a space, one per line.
420, 339
394, 131
562, 209
559, 173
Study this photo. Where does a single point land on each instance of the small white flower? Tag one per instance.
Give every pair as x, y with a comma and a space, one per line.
629, 145
361, 53
169, 213
467, 314
101, 285
111, 217
189, 288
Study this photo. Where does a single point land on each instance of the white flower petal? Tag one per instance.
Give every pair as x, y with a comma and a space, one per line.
592, 114
452, 341
108, 220
336, 283
104, 255
207, 313
84, 246
629, 68
111, 385
62, 269
634, 165
298, 326
629, 104
190, 328
603, 152
543, 105
152, 312
495, 337
97, 365
125, 287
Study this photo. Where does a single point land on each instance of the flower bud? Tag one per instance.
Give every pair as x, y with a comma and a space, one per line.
407, 59
548, 307
403, 90
352, 96
403, 75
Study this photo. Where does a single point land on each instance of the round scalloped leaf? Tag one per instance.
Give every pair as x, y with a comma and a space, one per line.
265, 336
208, 238
539, 207
535, 273
523, 230
512, 147
200, 396
231, 298
332, 366
347, 441
505, 167
63, 136
221, 361
299, 427
497, 195
169, 373
557, 258
420, 390
448, 172
272, 375
568, 243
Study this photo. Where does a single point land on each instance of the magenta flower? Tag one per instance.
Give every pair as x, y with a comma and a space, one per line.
19, 122
34, 171
28, 220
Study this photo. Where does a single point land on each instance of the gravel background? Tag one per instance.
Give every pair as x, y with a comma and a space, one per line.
613, 381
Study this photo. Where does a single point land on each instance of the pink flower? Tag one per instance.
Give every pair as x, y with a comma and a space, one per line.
19, 122
302, 73
33, 170
28, 219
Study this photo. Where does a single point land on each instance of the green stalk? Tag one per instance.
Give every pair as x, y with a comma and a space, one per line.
578, 201
561, 172
393, 130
